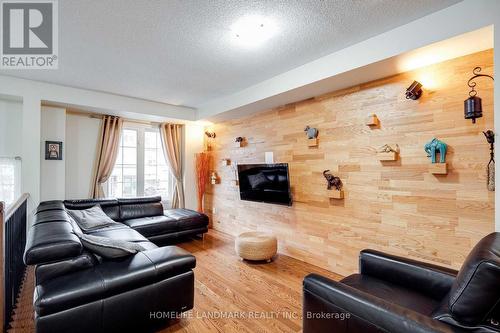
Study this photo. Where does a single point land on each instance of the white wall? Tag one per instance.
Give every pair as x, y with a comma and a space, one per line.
31, 148
10, 128
52, 172
82, 134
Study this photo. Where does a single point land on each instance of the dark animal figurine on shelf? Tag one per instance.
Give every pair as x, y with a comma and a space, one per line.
239, 139
432, 147
333, 181
211, 135
312, 133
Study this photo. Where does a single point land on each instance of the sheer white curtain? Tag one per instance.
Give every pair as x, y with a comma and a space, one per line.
10, 179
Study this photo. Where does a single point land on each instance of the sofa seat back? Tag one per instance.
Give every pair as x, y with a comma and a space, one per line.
134, 208
109, 206
475, 295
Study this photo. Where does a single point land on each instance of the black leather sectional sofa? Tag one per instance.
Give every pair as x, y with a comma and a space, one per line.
77, 291
394, 294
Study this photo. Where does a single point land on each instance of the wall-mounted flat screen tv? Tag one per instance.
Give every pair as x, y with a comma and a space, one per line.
265, 183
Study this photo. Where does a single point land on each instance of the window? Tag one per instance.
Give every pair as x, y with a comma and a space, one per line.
157, 177
123, 180
140, 168
10, 179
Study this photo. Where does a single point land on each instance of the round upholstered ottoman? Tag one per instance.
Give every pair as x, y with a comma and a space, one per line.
256, 245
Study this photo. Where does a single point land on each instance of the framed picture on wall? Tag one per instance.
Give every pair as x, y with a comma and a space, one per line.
53, 150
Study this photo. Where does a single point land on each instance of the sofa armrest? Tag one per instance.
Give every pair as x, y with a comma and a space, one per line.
431, 280
328, 296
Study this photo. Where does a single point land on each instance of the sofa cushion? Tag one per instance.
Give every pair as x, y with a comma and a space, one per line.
91, 218
152, 225
111, 278
122, 233
187, 218
45, 272
393, 293
109, 206
174, 220
109, 248
476, 290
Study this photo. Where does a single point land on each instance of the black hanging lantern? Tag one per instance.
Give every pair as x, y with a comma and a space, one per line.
473, 107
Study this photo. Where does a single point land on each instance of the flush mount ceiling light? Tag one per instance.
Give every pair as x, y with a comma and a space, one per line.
252, 31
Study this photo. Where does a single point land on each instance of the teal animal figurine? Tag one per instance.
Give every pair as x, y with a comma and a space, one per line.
432, 147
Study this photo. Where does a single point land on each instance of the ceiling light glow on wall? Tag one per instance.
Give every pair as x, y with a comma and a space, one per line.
253, 30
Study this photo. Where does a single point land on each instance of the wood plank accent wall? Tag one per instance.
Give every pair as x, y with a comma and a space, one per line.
396, 206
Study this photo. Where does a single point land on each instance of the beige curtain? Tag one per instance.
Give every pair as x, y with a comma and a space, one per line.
107, 151
171, 138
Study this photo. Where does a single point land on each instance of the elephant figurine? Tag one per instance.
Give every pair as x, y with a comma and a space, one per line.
432, 147
312, 133
333, 181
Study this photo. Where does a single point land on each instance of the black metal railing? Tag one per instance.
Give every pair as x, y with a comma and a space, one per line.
14, 240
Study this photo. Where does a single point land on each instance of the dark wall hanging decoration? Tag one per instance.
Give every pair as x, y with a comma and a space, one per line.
239, 142
414, 91
210, 138
53, 150
490, 169
210, 135
473, 107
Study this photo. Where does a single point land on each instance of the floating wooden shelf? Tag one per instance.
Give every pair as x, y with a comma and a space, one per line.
312, 142
372, 121
334, 194
390, 156
438, 168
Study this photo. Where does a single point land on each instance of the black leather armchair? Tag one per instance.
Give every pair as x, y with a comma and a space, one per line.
394, 294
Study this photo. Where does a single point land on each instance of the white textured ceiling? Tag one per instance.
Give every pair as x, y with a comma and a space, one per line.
180, 51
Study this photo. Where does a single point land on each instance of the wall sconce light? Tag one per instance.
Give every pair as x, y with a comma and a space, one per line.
211, 135
414, 91
473, 107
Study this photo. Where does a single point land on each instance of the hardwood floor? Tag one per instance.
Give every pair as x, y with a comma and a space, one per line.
230, 295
